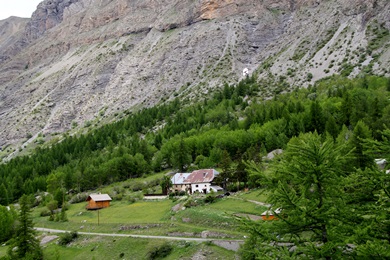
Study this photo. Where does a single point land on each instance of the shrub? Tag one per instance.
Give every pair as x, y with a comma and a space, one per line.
137, 186
193, 203
67, 237
160, 252
210, 199
45, 213
80, 197
177, 193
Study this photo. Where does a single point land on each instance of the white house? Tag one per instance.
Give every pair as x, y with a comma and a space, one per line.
201, 180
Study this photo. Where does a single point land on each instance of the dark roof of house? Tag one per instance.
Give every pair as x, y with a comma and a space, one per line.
99, 197
201, 176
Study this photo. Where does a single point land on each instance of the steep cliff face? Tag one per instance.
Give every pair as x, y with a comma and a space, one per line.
11, 37
49, 14
85, 61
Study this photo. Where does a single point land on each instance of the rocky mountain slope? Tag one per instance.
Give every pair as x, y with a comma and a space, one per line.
77, 63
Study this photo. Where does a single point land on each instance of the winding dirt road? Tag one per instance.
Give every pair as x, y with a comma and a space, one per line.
228, 244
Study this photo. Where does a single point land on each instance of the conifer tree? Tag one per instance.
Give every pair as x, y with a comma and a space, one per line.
331, 127
7, 219
316, 118
388, 84
361, 132
369, 200
4, 199
25, 245
181, 156
226, 174
307, 186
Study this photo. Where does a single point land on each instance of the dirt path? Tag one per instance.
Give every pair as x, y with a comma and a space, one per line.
227, 244
253, 201
260, 203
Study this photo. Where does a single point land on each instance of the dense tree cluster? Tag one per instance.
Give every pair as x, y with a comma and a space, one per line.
330, 206
233, 125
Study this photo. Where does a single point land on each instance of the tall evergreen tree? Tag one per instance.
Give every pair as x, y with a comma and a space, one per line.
181, 155
7, 219
360, 133
388, 84
4, 199
165, 184
331, 127
307, 187
346, 109
226, 174
369, 199
25, 245
316, 117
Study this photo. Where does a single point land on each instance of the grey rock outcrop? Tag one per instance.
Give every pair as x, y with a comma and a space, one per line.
49, 13
81, 63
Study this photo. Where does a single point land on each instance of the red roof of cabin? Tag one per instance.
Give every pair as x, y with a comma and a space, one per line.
201, 176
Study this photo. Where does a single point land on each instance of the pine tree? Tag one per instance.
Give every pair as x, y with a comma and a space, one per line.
307, 186
25, 245
331, 127
7, 219
369, 200
181, 156
241, 175
346, 109
165, 184
361, 132
388, 85
316, 118
4, 199
226, 174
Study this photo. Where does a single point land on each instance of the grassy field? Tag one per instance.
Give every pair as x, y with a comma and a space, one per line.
149, 218
110, 219
256, 195
130, 248
3, 251
154, 217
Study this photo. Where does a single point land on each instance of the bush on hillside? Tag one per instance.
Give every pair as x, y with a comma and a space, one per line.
67, 238
79, 197
160, 252
210, 199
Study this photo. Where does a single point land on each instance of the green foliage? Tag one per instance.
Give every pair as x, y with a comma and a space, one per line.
165, 184
361, 132
306, 186
184, 136
24, 244
67, 238
160, 252
52, 205
7, 221
210, 199
4, 198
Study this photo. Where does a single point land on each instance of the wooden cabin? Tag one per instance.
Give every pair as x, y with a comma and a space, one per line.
98, 201
269, 214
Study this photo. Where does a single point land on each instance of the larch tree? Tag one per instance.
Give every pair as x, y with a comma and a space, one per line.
306, 184
25, 245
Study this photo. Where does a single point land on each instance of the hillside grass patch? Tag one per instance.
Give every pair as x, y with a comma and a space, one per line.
88, 247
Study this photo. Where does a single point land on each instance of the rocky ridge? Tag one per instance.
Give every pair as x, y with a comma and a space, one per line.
78, 63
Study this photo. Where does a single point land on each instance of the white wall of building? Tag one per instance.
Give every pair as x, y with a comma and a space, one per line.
200, 187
